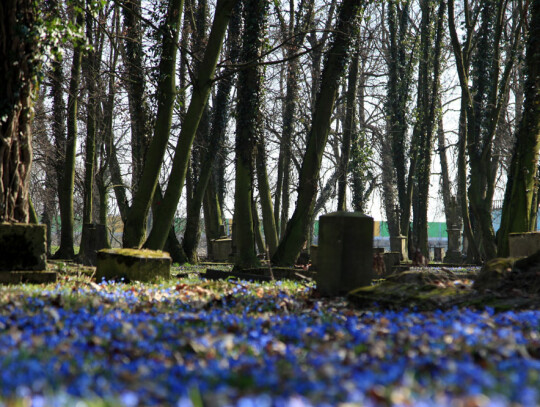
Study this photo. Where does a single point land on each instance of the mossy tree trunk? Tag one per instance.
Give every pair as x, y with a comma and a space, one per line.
294, 33
349, 128
219, 119
135, 225
248, 126
89, 67
520, 204
400, 70
66, 188
335, 63
138, 106
19, 48
431, 33
201, 90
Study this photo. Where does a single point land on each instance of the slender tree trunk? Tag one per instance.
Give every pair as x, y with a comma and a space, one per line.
138, 108
298, 227
202, 86
269, 225
89, 67
66, 250
135, 225
214, 148
349, 130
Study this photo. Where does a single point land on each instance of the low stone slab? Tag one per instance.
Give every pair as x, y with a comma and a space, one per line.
221, 249
28, 277
23, 246
260, 274
133, 265
523, 244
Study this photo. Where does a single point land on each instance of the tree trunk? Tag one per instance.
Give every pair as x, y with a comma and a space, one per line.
89, 70
135, 81
18, 51
201, 91
247, 130
265, 196
349, 129
214, 148
135, 225
520, 208
66, 250
336, 58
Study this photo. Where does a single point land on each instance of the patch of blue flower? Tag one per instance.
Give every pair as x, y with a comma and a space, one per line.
167, 346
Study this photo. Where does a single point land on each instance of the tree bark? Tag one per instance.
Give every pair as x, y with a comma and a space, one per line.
248, 127
201, 91
18, 51
298, 227
520, 208
66, 250
135, 225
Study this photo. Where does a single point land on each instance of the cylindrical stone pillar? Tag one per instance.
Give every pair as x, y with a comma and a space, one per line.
345, 254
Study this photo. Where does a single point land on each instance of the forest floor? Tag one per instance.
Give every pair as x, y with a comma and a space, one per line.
195, 342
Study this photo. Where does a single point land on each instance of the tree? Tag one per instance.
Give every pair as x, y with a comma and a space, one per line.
481, 113
135, 224
67, 168
248, 126
335, 64
521, 199
20, 52
201, 91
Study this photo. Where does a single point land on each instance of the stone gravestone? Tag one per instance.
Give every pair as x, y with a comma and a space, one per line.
454, 244
391, 259
523, 244
438, 254
133, 265
221, 249
345, 253
399, 244
96, 239
23, 249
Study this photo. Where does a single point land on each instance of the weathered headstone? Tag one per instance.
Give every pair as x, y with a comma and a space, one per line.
95, 240
523, 244
391, 259
438, 254
453, 256
345, 253
221, 249
399, 244
133, 265
313, 252
23, 249
23, 246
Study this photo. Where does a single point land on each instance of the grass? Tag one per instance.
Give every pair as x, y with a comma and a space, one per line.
192, 342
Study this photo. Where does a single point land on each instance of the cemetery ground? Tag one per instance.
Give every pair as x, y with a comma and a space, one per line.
190, 341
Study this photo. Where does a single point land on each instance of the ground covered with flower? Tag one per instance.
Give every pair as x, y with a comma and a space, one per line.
191, 342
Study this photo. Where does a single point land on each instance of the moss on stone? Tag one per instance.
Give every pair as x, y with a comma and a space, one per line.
133, 265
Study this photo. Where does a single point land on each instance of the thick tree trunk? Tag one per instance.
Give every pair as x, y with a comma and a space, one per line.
17, 86
298, 227
520, 208
247, 132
